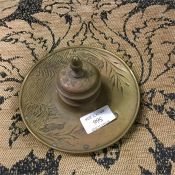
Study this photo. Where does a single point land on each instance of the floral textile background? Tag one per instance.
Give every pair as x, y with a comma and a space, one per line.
142, 31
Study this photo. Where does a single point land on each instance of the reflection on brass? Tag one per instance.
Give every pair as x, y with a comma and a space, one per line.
70, 83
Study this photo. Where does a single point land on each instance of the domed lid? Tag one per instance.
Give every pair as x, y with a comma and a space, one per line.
79, 80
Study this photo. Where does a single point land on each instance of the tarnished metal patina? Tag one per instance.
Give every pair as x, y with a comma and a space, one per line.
79, 83
70, 83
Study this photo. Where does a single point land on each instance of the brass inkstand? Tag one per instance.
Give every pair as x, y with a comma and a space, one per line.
70, 83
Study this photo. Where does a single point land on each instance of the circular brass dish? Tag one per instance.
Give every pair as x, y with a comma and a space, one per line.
57, 124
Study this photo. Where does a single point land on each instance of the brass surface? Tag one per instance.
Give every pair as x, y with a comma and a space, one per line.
57, 124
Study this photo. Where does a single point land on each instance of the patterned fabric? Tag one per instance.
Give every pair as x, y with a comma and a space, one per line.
142, 31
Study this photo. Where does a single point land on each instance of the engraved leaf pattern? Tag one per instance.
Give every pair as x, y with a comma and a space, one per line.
117, 78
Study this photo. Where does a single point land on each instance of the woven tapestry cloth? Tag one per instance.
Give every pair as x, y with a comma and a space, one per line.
141, 31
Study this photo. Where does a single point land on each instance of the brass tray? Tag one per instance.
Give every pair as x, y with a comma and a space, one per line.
58, 125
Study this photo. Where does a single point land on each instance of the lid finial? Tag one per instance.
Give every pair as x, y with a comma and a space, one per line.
77, 67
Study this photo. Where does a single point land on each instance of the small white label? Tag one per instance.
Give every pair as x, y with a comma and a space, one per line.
97, 119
